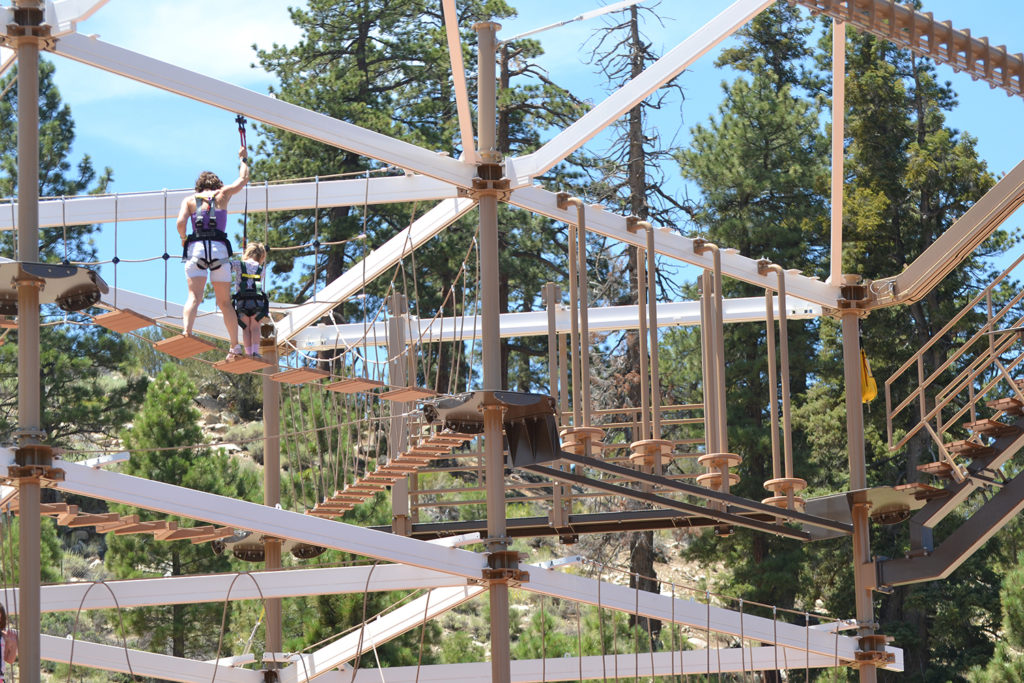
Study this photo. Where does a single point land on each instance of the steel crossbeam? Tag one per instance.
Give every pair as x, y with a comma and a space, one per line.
387, 255
255, 585
240, 514
534, 323
55, 212
378, 631
906, 27
689, 612
264, 108
150, 664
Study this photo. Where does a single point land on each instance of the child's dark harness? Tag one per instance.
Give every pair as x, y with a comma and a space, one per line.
250, 298
205, 230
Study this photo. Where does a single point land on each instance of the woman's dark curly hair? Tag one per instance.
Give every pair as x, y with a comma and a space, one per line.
208, 180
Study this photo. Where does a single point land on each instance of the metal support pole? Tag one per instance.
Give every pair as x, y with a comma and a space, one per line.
838, 138
574, 331
773, 382
584, 298
494, 449
645, 394
398, 433
652, 304
272, 484
858, 480
31, 452
707, 369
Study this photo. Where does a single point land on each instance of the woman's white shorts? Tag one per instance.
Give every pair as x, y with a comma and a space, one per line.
197, 251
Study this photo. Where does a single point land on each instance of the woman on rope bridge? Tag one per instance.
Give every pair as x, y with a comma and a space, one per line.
207, 248
8, 644
250, 302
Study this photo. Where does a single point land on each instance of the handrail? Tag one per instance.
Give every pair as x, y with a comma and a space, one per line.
965, 378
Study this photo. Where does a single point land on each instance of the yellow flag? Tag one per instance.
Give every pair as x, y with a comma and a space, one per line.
868, 387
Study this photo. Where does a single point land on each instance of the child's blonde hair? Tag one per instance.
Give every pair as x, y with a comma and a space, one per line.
255, 251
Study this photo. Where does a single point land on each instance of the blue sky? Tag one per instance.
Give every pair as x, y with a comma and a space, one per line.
156, 140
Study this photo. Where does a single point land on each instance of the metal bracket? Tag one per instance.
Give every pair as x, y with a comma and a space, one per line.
16, 472
855, 297
872, 650
489, 182
503, 567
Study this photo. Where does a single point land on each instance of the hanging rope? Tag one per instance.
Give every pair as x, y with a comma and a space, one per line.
224, 619
120, 617
240, 120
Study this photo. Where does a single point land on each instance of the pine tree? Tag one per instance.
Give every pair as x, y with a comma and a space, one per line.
1007, 663
89, 387
760, 166
165, 444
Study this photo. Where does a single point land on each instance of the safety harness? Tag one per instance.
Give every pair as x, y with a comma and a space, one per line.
250, 298
204, 229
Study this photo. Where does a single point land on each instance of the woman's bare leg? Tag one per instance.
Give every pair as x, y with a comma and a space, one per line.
222, 291
196, 285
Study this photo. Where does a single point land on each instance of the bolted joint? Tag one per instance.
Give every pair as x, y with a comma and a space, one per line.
562, 200
763, 265
872, 650
700, 245
503, 567
854, 295
489, 182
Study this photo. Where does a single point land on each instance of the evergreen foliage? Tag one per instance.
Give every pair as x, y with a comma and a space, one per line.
165, 442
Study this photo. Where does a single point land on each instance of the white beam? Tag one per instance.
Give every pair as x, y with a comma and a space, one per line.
240, 514
675, 246
375, 263
596, 667
116, 658
522, 169
163, 205
64, 15
689, 612
954, 245
451, 27
263, 108
256, 585
534, 323
377, 632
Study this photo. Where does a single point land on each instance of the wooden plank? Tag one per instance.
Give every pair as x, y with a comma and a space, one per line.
299, 375
183, 347
353, 385
123, 321
241, 365
407, 394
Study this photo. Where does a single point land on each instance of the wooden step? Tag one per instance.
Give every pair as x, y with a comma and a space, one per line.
182, 347
406, 394
970, 449
922, 491
940, 469
353, 385
299, 375
241, 365
993, 428
123, 321
1008, 405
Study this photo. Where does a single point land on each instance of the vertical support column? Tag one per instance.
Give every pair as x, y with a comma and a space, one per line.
398, 433
559, 515
272, 482
862, 572
32, 456
838, 138
494, 448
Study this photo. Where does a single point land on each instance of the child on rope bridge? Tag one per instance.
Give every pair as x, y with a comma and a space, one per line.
8, 645
249, 300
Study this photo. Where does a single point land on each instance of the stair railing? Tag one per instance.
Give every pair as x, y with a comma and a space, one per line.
988, 360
